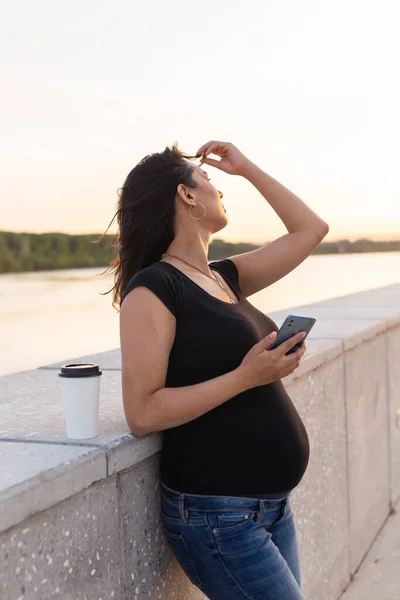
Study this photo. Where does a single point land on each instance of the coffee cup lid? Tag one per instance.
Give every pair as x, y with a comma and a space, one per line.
80, 370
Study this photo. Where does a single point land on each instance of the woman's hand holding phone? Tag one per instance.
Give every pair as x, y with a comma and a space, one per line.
261, 366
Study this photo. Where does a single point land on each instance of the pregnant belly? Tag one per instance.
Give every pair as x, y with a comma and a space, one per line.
266, 428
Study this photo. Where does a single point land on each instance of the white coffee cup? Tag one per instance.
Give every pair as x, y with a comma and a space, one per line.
80, 392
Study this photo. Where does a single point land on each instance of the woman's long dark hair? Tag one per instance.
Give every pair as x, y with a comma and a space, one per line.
145, 213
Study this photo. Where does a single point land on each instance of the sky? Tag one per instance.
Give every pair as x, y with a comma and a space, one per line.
308, 90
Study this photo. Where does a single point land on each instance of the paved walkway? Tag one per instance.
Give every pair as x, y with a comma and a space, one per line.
378, 577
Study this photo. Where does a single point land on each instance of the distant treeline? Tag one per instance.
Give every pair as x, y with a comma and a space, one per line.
46, 251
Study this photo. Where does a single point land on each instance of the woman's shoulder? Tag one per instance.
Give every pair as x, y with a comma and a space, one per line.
153, 272
160, 281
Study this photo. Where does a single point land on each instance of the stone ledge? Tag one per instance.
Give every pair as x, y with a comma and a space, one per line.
37, 476
48, 466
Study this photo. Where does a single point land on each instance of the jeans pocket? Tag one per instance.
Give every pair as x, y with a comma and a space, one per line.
180, 549
234, 521
238, 534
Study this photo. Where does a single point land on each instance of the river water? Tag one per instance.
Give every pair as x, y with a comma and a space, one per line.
49, 316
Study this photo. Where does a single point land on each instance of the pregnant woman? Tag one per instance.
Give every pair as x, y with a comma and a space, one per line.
196, 366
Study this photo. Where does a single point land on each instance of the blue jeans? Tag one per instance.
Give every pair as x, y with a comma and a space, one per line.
234, 548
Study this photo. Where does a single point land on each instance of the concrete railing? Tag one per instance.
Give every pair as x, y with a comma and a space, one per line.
81, 520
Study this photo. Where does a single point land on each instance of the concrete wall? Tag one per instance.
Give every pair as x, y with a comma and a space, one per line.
81, 520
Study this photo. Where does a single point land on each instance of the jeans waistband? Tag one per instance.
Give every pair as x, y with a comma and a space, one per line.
209, 500
175, 493
211, 503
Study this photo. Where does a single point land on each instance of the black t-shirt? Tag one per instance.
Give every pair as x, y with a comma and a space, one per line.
254, 443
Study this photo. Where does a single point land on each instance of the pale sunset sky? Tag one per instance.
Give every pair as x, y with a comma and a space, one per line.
307, 90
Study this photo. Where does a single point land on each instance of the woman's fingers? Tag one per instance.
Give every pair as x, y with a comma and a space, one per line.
212, 146
203, 148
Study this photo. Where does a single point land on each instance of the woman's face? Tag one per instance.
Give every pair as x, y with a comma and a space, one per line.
207, 194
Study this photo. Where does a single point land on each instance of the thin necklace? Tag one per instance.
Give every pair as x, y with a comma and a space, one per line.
233, 300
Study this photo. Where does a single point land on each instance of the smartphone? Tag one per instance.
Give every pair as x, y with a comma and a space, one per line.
290, 326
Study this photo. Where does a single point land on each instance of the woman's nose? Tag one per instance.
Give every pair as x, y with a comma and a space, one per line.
220, 194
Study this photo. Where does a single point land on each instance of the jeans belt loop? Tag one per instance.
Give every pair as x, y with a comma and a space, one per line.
284, 505
260, 512
183, 512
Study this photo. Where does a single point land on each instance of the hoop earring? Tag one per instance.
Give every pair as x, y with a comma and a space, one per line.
198, 219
